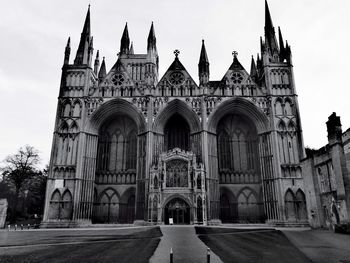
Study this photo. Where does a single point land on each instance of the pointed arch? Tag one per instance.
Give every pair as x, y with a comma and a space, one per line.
63, 127
74, 128
281, 125
301, 205
239, 106
76, 108
54, 208
180, 107
67, 205
279, 106
289, 201
67, 108
228, 206
249, 209
109, 110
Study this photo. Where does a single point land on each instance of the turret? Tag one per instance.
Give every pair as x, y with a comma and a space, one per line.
334, 129
203, 66
131, 49
67, 53
84, 52
253, 70
125, 41
102, 73
152, 41
97, 62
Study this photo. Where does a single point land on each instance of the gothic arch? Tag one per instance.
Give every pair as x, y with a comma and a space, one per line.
300, 205
228, 206
279, 106
248, 205
289, 201
67, 205
238, 106
104, 192
180, 107
127, 206
281, 125
174, 196
111, 108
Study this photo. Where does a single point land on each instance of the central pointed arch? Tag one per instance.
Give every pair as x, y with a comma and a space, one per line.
181, 108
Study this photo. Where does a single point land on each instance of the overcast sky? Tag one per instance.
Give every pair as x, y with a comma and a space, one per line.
34, 34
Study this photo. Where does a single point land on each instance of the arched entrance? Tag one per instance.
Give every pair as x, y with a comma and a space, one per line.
178, 210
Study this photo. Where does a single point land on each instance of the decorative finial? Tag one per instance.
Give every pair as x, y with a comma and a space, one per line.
234, 53
176, 52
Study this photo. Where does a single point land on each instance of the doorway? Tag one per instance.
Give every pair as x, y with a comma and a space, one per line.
178, 211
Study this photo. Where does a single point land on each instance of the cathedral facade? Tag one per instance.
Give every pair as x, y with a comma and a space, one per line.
130, 146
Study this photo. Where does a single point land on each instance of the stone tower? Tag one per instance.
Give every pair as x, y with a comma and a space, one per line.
129, 148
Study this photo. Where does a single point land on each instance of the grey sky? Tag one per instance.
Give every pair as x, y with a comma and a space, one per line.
34, 34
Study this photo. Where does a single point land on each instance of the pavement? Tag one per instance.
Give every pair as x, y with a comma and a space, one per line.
185, 244
321, 246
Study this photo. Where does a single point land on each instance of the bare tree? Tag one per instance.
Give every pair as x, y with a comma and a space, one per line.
19, 167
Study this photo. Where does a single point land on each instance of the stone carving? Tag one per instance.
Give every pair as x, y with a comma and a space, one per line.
92, 104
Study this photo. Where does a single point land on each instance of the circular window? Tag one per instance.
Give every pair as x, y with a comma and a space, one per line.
177, 78
236, 78
118, 79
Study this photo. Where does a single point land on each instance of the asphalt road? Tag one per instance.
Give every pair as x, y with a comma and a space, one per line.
251, 245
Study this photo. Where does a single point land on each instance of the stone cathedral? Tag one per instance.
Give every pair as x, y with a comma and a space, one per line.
130, 146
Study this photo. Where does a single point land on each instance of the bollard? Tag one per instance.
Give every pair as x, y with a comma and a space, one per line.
171, 255
9, 227
208, 255
15, 227
21, 226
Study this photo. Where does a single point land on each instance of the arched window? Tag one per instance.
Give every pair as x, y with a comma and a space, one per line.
301, 206
177, 133
289, 201
77, 109
117, 146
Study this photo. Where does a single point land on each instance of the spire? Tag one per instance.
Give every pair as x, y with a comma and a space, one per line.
151, 40
282, 49
131, 49
253, 71
97, 62
67, 53
125, 41
84, 45
203, 65
102, 73
270, 36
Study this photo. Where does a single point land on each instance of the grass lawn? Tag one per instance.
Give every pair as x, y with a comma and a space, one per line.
82, 246
250, 245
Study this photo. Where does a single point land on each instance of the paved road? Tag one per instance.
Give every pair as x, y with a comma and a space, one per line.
186, 246
77, 245
321, 246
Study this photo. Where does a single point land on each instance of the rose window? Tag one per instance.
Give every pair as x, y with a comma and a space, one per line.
118, 79
236, 78
177, 78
